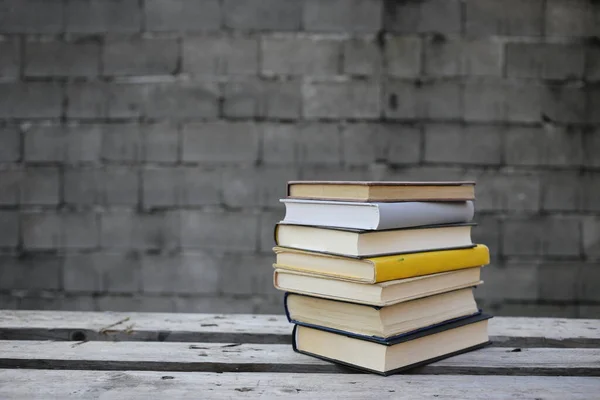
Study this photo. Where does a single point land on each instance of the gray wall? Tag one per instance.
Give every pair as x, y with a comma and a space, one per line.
144, 144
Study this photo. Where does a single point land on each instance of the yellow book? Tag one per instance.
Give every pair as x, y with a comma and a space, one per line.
380, 269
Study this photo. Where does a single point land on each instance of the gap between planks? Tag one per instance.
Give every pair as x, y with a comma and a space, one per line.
111, 326
134, 385
214, 357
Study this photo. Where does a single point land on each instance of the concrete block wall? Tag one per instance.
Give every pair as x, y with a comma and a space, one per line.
144, 144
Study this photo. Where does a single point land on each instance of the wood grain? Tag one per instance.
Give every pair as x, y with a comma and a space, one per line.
109, 326
133, 385
231, 357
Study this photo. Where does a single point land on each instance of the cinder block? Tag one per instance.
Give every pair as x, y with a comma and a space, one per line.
84, 144
402, 143
231, 232
187, 273
101, 16
369, 144
51, 230
440, 100
31, 100
257, 187
319, 143
11, 58
40, 186
572, 18
550, 146
10, 186
10, 151
563, 191
182, 15
300, 55
161, 142
400, 100
333, 173
31, 16
454, 57
77, 58
445, 143
140, 56
268, 219
546, 61
588, 311
106, 186
593, 100
558, 281
106, 100
220, 142
140, 231
552, 236
354, 16
181, 186
402, 56
591, 191
30, 272
439, 16
591, 148
262, 99
361, 57
587, 283
501, 101
183, 100
220, 55
592, 64
356, 99
510, 17
9, 235
487, 231
363, 144
263, 15
507, 192
278, 144
591, 237
500, 282
80, 230
68, 144
102, 273
122, 143
42, 230
564, 104
245, 274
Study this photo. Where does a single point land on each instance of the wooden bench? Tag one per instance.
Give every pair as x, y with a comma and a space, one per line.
88, 355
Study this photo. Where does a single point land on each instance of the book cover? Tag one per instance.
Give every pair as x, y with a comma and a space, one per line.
405, 338
409, 265
376, 339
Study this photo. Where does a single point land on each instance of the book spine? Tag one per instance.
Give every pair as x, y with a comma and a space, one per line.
285, 306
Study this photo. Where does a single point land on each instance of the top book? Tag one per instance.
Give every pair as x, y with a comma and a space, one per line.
381, 191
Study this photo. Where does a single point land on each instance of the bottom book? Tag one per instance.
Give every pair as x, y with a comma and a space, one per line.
397, 355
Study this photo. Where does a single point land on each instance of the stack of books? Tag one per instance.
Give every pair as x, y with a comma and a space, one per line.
379, 276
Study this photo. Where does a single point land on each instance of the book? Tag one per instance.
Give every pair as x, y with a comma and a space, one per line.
375, 216
378, 294
380, 322
364, 243
381, 190
382, 268
393, 356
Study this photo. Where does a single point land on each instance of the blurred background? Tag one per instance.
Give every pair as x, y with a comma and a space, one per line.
144, 144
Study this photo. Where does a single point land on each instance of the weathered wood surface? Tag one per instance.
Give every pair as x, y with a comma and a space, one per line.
64, 325
232, 357
133, 385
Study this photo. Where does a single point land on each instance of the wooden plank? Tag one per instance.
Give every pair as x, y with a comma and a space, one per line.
65, 325
230, 357
133, 385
